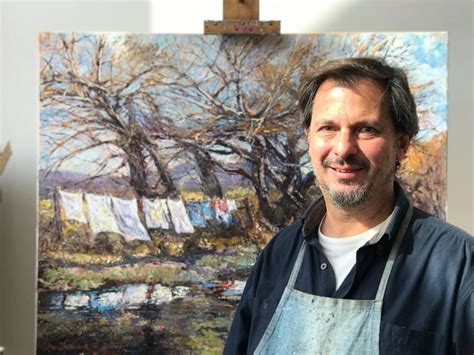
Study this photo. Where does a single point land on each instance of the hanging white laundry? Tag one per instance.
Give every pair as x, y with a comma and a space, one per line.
156, 213
179, 217
101, 217
126, 213
231, 205
71, 203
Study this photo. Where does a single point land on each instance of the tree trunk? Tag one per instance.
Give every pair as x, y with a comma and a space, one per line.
136, 162
267, 211
265, 205
165, 179
210, 184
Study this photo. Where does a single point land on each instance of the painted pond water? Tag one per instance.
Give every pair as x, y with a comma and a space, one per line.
192, 315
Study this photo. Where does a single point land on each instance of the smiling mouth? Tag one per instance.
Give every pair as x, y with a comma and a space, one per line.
346, 170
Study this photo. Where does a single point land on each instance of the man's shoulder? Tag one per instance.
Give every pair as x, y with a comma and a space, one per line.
427, 223
441, 235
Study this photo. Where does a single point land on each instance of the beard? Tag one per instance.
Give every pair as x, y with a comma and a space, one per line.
349, 199
376, 183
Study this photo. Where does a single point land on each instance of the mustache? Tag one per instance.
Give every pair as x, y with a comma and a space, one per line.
349, 160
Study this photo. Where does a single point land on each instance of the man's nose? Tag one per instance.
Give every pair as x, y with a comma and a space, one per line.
345, 144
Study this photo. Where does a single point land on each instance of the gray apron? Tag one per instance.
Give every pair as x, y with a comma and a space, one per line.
307, 324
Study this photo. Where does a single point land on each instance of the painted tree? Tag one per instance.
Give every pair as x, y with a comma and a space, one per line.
238, 97
237, 94
209, 104
95, 106
423, 174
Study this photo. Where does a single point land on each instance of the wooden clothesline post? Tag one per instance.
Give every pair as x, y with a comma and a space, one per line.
241, 17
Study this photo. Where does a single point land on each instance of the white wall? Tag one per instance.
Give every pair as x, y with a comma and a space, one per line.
1, 144
21, 22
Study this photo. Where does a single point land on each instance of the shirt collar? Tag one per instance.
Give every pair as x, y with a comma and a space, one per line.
316, 211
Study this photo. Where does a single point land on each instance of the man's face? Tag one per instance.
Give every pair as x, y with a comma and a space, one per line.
353, 144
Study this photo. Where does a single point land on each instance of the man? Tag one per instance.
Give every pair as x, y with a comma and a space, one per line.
362, 271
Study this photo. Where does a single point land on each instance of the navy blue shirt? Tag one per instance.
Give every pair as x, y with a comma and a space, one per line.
428, 306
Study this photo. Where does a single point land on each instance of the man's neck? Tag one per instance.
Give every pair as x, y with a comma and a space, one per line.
345, 222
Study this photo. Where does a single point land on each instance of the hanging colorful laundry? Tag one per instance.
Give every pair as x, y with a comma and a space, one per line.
222, 211
196, 214
208, 211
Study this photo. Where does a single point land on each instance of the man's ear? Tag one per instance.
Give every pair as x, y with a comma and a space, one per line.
403, 144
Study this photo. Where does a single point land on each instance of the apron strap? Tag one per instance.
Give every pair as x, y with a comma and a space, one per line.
297, 266
394, 252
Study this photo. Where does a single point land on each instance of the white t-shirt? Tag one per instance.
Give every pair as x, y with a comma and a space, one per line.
341, 252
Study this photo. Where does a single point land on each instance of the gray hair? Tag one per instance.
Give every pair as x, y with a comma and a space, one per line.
348, 72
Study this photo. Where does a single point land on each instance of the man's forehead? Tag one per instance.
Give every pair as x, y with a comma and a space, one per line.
332, 94
360, 86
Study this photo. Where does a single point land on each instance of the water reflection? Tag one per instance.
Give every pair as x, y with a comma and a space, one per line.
132, 296
125, 296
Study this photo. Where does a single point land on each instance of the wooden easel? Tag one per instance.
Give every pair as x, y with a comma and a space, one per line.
241, 17
5, 154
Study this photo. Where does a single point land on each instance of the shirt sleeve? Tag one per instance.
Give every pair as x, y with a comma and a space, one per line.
463, 324
463, 327
238, 337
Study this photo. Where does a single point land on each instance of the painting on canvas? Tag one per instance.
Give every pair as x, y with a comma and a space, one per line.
167, 162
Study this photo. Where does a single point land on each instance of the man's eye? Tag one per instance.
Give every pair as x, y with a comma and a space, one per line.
366, 129
327, 128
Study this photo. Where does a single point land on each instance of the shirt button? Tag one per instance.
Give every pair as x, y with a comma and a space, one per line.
324, 266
